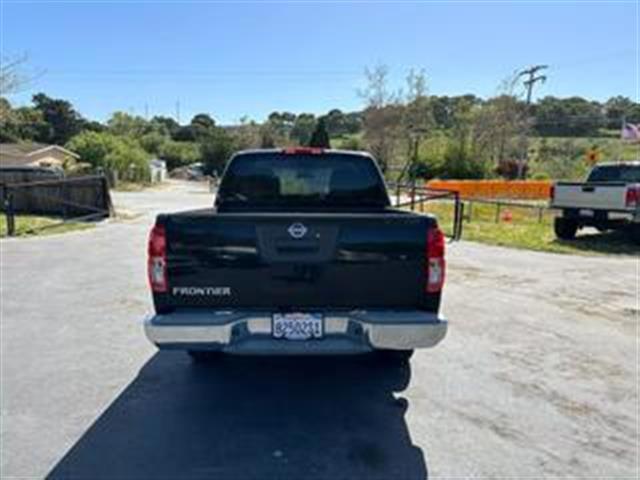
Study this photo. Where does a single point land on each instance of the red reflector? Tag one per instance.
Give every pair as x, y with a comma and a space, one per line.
436, 264
157, 259
632, 199
303, 151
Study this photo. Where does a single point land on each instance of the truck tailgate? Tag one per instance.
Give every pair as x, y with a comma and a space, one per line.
295, 260
605, 196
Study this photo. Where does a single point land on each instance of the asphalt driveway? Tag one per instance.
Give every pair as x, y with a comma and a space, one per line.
538, 375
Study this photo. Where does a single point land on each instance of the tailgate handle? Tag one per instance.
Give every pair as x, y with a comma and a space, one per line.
588, 189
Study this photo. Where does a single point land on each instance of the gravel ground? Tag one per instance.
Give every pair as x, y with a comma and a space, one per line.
537, 377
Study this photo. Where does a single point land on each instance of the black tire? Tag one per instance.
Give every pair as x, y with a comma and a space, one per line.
565, 228
204, 356
398, 357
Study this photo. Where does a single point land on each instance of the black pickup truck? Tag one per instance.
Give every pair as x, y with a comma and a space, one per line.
301, 254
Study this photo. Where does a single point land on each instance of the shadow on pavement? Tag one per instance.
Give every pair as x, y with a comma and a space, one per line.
617, 242
334, 418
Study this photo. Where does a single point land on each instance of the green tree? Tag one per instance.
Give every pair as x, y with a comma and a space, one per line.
178, 154
129, 159
568, 117
461, 156
621, 108
185, 133
63, 120
247, 134
93, 126
93, 147
267, 139
335, 121
165, 125
303, 128
501, 129
122, 123
215, 150
24, 124
320, 136
153, 142
5, 110
31, 125
281, 124
109, 151
202, 125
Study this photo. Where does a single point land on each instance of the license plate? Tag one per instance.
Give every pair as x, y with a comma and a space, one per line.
297, 326
586, 213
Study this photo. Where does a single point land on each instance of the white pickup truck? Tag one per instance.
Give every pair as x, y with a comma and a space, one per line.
610, 199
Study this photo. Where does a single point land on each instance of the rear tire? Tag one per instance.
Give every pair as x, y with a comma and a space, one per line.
565, 228
395, 357
204, 356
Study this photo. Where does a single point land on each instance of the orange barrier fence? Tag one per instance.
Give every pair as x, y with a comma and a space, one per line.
517, 189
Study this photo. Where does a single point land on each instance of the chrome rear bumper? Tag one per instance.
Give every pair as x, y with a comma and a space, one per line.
250, 332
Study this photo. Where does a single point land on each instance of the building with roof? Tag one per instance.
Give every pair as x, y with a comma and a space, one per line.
35, 155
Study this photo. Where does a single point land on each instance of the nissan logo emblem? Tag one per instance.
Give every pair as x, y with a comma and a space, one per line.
297, 230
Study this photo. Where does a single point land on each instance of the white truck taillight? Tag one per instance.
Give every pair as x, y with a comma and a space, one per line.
436, 264
632, 198
157, 259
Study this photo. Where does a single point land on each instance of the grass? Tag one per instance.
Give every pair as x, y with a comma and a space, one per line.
33, 225
524, 230
611, 148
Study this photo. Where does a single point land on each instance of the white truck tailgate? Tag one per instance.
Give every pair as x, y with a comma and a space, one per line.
590, 196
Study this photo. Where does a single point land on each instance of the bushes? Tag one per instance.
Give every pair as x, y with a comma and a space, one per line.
215, 150
111, 152
178, 154
443, 157
561, 159
462, 163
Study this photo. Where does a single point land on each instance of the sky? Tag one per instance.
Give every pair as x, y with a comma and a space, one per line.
249, 58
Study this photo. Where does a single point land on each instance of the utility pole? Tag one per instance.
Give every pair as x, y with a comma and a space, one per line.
532, 79
178, 111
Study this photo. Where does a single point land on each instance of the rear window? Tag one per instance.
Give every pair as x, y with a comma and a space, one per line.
302, 180
615, 173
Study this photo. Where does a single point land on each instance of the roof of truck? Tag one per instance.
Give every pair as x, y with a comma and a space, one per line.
633, 163
302, 150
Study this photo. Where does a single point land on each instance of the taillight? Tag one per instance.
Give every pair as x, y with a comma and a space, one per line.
436, 263
632, 199
157, 259
552, 192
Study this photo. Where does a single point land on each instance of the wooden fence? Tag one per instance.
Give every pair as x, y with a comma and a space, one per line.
69, 198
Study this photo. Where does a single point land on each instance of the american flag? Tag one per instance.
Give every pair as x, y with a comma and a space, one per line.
630, 132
